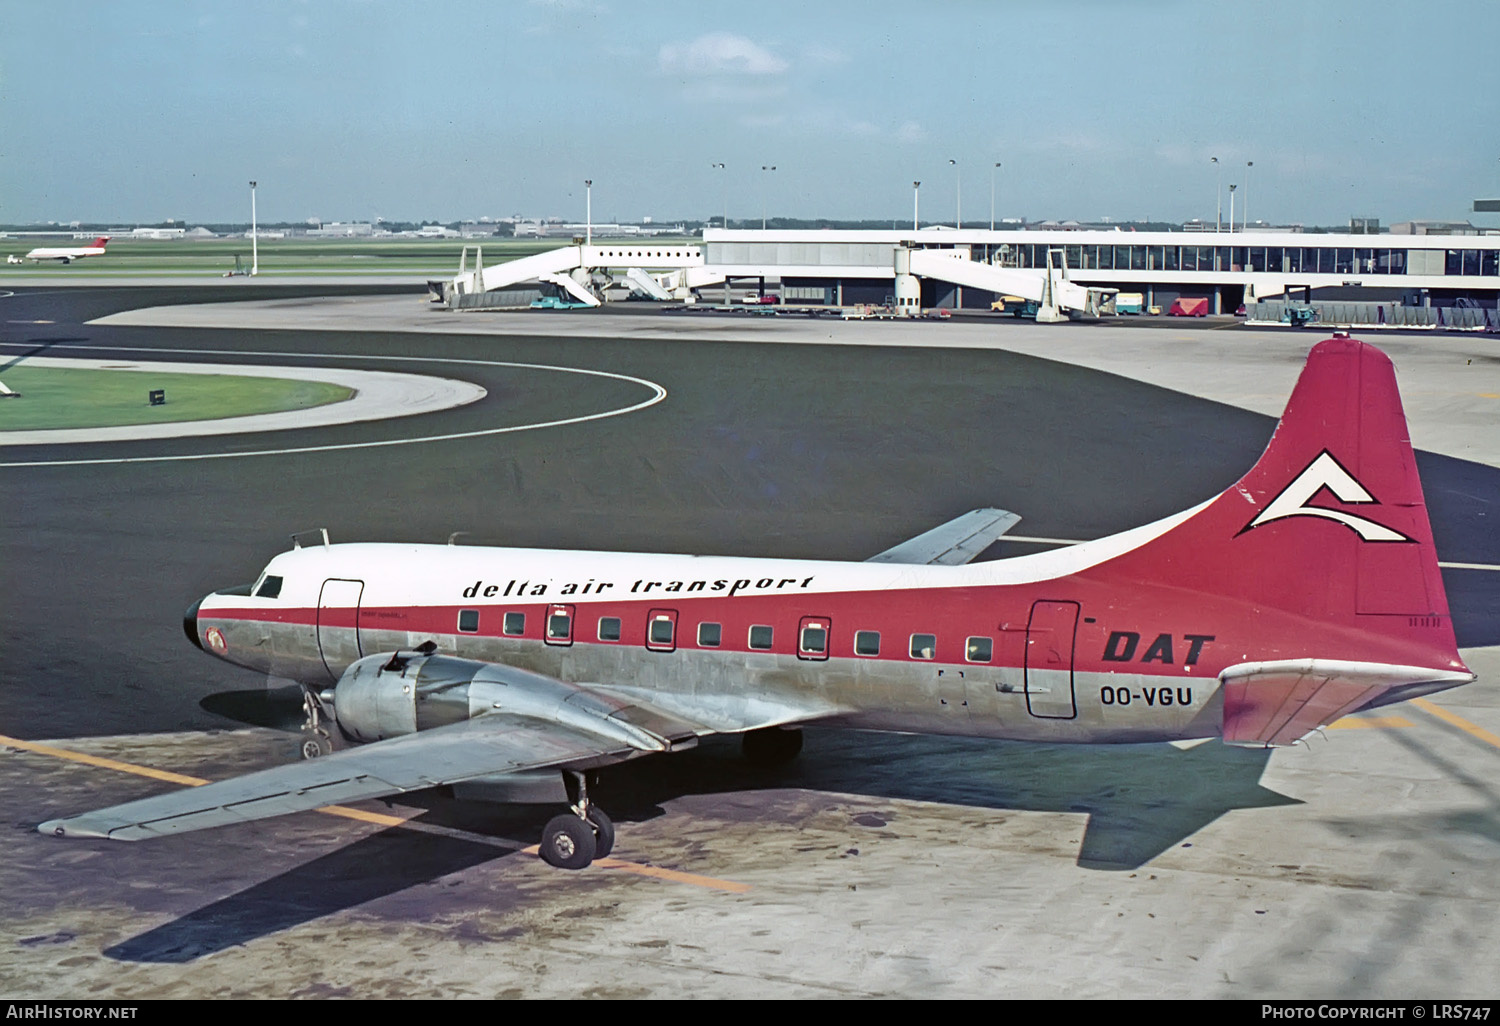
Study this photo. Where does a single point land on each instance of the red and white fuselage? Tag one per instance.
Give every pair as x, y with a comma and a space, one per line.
67, 254
1308, 589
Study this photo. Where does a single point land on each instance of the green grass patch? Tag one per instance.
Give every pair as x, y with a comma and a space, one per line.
53, 397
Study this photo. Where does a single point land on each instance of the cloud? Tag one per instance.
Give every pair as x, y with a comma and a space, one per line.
911, 132
719, 53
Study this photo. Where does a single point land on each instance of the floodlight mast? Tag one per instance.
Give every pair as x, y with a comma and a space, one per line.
254, 236
992, 194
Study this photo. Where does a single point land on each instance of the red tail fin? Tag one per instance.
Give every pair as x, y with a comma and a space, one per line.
100, 242
1329, 525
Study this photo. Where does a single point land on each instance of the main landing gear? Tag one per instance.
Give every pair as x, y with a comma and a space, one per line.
576, 838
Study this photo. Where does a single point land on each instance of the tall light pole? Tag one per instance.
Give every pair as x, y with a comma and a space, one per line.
1218, 195
992, 194
254, 236
958, 196
764, 167
916, 193
726, 194
1245, 207
588, 217
1231, 207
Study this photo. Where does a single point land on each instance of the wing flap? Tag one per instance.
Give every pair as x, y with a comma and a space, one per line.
954, 543
484, 746
1273, 704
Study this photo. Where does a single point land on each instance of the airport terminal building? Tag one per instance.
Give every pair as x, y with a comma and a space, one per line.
1376, 279
1227, 269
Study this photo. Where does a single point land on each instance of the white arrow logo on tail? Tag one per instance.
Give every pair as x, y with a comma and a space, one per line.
1326, 472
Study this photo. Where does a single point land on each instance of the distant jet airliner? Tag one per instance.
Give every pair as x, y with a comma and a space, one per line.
1308, 590
67, 254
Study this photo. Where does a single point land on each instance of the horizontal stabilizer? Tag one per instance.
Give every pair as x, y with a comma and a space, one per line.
954, 543
1273, 704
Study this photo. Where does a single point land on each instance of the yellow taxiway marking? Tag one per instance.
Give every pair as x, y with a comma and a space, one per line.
1457, 721
379, 819
1371, 722
100, 761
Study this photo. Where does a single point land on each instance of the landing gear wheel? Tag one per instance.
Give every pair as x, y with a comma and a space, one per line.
604, 832
315, 746
771, 747
568, 842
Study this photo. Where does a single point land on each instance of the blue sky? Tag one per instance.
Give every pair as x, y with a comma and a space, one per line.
143, 110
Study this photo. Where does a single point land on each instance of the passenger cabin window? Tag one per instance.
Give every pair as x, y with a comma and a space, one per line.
559, 626
468, 620
923, 646
662, 630
979, 650
609, 628
814, 639
867, 643
515, 624
760, 637
710, 635
270, 587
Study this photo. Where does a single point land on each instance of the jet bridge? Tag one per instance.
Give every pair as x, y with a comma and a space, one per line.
570, 268
1050, 289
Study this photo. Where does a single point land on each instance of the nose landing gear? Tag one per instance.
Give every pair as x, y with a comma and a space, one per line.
317, 739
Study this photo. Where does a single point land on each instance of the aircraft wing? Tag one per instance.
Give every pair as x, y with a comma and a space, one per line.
487, 745
954, 543
1278, 703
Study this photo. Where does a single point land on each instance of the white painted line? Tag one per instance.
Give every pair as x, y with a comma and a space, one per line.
379, 395
1469, 566
658, 394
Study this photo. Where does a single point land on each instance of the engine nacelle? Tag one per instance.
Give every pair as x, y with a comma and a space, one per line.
385, 696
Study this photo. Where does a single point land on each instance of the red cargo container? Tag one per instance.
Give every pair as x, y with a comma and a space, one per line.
1184, 307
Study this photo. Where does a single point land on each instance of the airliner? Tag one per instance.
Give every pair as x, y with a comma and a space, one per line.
1306, 591
67, 254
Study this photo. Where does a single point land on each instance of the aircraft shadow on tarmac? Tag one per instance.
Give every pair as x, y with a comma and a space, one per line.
1140, 801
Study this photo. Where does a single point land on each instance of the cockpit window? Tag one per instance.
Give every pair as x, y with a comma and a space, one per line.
270, 587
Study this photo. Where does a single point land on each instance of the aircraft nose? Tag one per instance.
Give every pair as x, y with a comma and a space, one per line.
190, 623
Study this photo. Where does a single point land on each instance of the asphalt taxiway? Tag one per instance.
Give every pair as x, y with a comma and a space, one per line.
1357, 866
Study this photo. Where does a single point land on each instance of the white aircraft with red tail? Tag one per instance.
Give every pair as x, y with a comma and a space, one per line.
66, 254
1308, 590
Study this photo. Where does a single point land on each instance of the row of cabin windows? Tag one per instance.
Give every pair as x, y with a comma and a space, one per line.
662, 630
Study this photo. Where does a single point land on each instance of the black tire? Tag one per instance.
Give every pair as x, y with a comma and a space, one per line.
568, 842
771, 747
604, 832
315, 746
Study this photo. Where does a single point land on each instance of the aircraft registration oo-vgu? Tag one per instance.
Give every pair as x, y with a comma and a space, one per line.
1308, 590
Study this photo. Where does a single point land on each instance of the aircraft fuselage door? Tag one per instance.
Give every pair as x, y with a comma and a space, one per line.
1049, 659
338, 624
